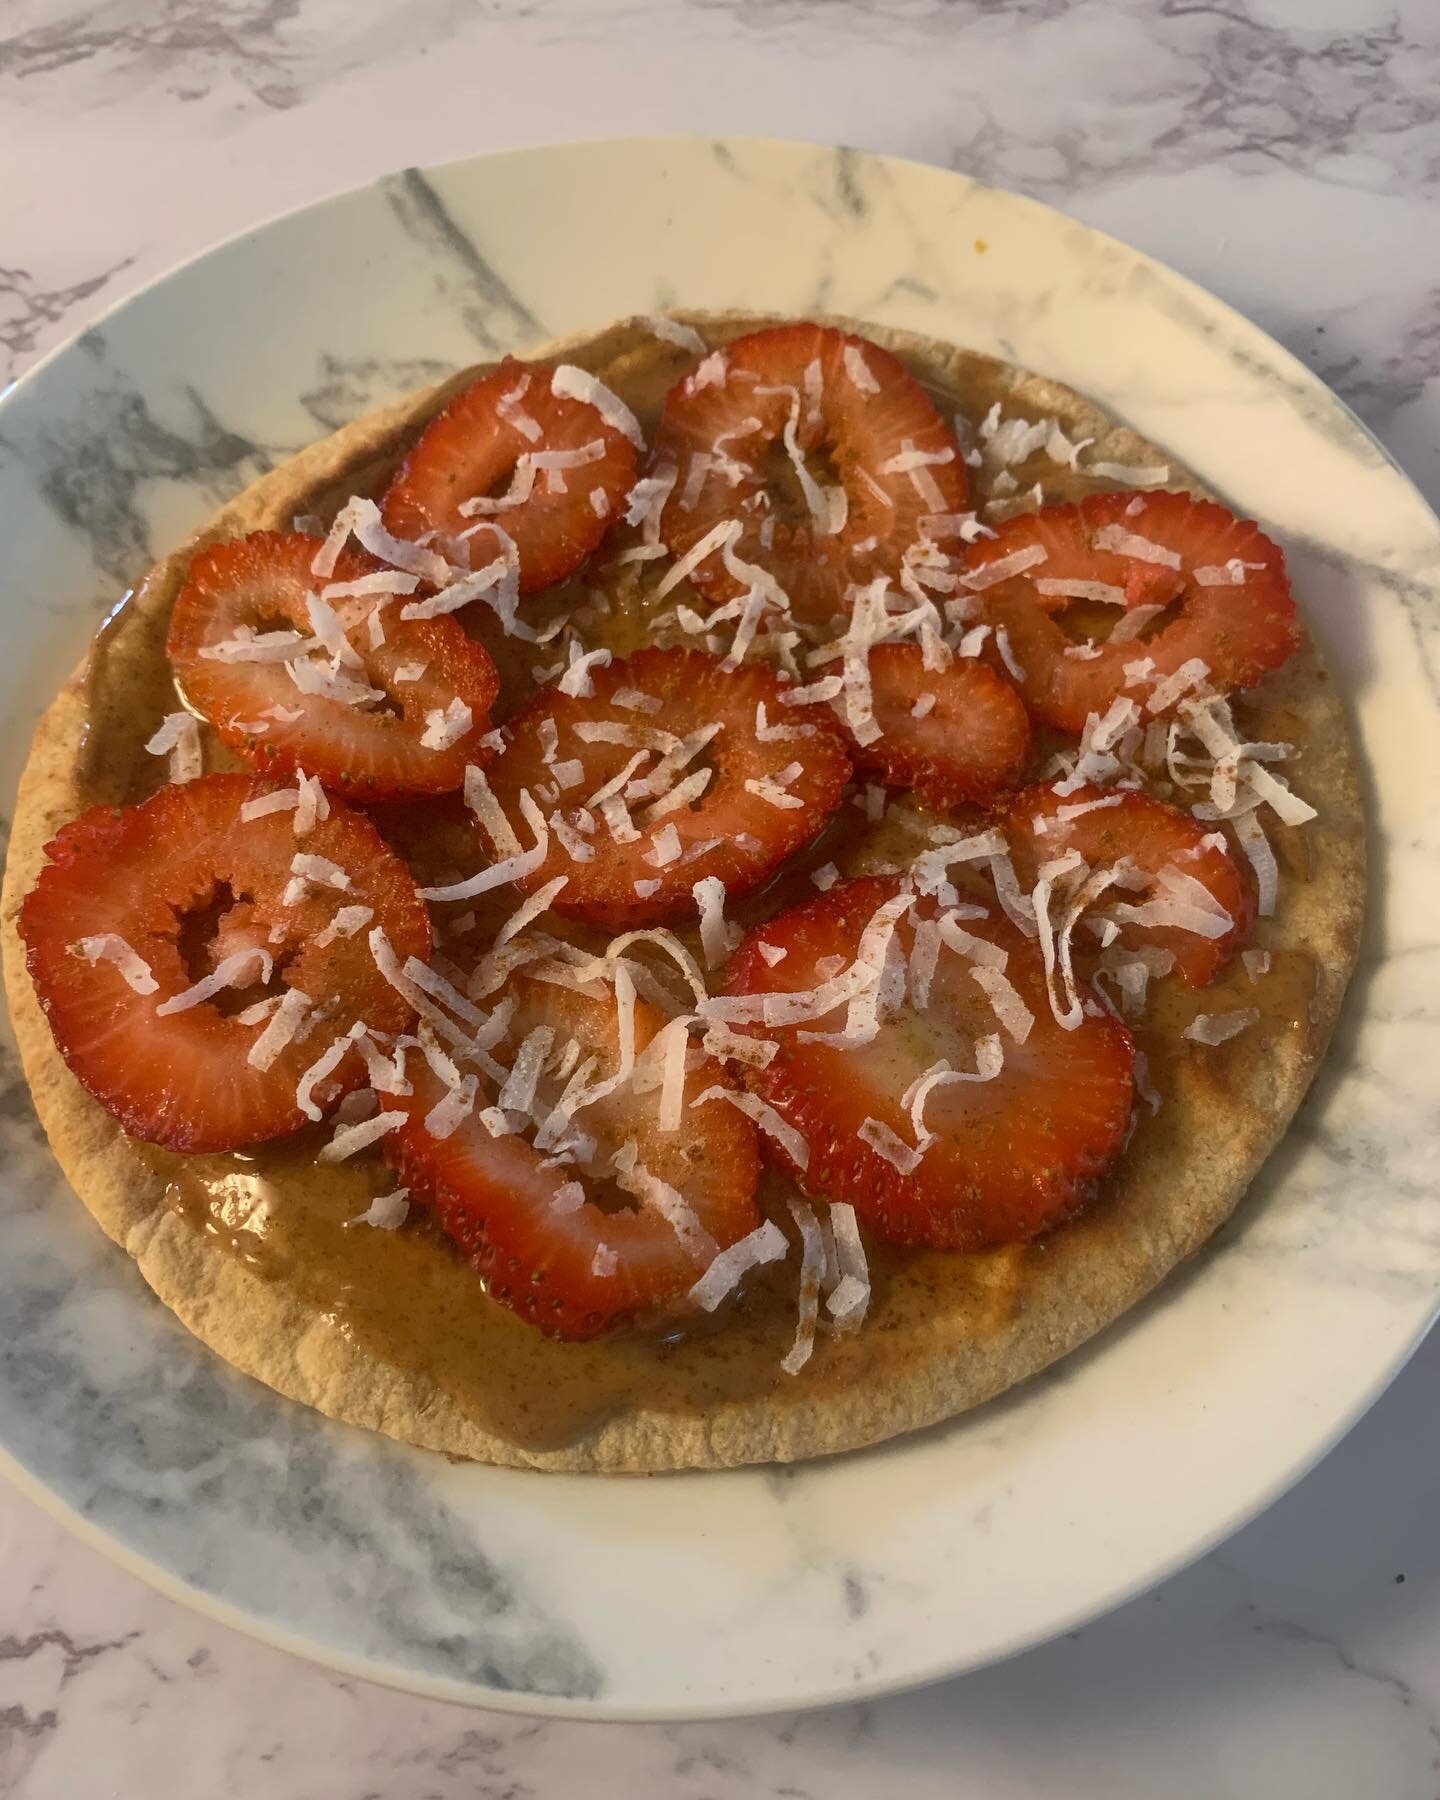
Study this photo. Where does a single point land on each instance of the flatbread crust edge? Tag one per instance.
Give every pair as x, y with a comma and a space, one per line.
1048, 1299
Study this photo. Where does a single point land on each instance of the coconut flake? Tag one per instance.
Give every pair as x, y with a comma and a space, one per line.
447, 727
518, 1093
812, 1272
989, 1061
283, 1026
347, 921
1003, 568
576, 680
1257, 963
452, 1109
1227, 574
480, 798
633, 1177
230, 972
349, 1140
324, 1065
1131, 474
179, 736
1130, 543
765, 1116
1287, 806
510, 868
108, 946
362, 518
665, 848
666, 1052
1067, 589
771, 790
850, 1297
859, 370
540, 901
317, 678
892, 1148
717, 938
1191, 674
1007, 655
248, 645
766, 1244
673, 331
634, 700
569, 383
318, 870
325, 624
1011, 1011
1219, 1028
1256, 846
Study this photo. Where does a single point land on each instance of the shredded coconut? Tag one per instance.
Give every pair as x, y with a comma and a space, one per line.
349, 1140
766, 1244
570, 383
812, 1273
1219, 1028
765, 1116
283, 1025
179, 736
1129, 474
231, 972
717, 938
1003, 568
108, 946
386, 1212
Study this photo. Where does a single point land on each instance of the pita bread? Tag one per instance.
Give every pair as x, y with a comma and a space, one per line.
466, 1378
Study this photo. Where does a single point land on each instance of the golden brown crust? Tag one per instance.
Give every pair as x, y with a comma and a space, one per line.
1021, 1309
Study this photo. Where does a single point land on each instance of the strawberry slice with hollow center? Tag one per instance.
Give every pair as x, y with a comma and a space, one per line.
1168, 846
562, 1242
1218, 584
957, 735
1007, 1157
182, 881
825, 452
706, 794
244, 620
511, 456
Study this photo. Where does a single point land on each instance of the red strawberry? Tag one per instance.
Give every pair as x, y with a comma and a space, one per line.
1115, 826
1010, 1156
969, 739
1181, 551
855, 413
480, 448
728, 830
262, 584
576, 1263
182, 880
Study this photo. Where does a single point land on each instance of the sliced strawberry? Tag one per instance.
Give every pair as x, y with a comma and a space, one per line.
955, 735
850, 409
763, 799
553, 471
1127, 827
262, 584
1010, 1156
1156, 550
183, 880
577, 1261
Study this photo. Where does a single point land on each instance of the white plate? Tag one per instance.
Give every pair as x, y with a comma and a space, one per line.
761, 1589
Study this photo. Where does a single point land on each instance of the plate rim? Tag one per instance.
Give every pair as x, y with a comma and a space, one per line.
410, 1680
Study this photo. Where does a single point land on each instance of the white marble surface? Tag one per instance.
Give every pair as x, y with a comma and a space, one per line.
1285, 155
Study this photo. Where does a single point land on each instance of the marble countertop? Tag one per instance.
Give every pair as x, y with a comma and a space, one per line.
1284, 153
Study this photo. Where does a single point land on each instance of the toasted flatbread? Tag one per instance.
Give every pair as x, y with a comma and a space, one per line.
447, 1369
